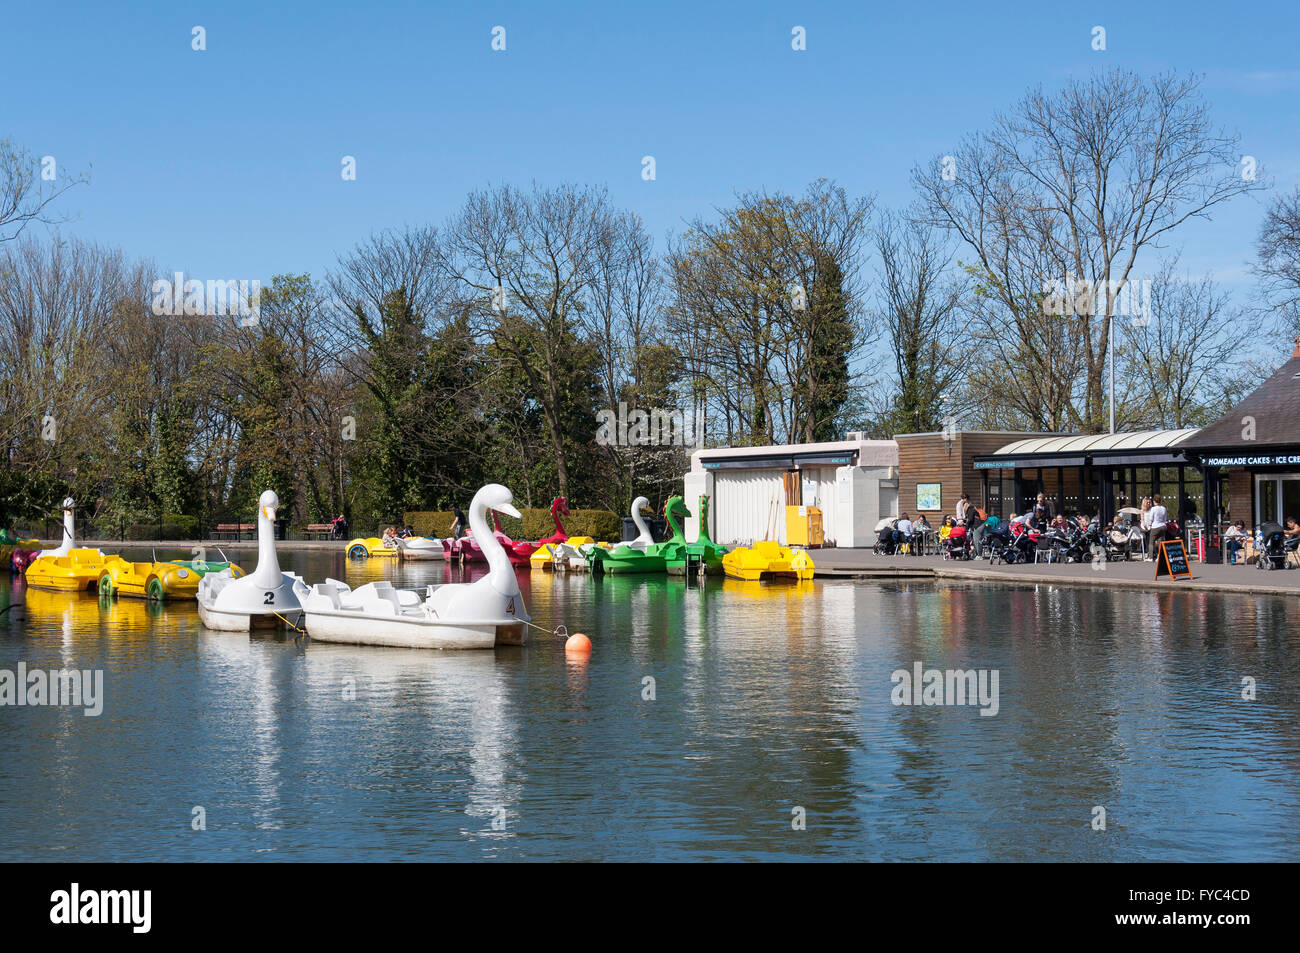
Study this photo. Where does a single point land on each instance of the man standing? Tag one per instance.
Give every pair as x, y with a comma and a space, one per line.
1157, 517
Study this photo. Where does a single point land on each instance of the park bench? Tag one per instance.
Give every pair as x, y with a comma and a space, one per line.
235, 530
316, 529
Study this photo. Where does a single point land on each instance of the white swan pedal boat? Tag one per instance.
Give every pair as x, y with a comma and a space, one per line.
378, 614
475, 615
265, 598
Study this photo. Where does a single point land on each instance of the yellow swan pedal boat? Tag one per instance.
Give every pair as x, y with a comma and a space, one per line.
370, 546
767, 560
77, 569
158, 581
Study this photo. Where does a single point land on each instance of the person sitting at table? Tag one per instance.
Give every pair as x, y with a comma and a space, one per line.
903, 531
1234, 537
1291, 532
921, 530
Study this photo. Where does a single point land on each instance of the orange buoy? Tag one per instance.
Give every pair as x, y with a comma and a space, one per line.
577, 644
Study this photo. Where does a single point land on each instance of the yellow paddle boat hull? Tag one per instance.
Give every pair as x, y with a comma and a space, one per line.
544, 558
158, 581
767, 561
371, 546
78, 570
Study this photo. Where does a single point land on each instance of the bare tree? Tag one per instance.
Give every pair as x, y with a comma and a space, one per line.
526, 260
25, 194
1279, 258
1077, 185
1180, 355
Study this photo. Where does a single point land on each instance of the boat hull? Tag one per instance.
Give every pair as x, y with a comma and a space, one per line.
223, 621
78, 570
351, 629
768, 562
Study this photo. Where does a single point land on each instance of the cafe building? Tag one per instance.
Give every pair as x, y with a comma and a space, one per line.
1243, 466
1253, 451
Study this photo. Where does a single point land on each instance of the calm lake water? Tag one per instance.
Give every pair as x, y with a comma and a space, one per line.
767, 700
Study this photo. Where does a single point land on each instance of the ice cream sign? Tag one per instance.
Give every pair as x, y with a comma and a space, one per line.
1264, 461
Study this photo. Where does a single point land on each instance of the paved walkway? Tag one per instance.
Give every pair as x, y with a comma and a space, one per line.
863, 563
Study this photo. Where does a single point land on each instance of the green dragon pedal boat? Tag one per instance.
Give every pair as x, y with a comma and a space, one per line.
703, 550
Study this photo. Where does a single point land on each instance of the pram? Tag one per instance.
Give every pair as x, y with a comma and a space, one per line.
1275, 546
998, 540
885, 545
1016, 547
1122, 543
957, 545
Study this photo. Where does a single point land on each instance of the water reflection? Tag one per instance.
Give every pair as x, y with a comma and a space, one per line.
765, 699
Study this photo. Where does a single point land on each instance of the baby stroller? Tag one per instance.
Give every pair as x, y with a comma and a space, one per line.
998, 539
957, 545
1024, 541
885, 545
1274, 547
1122, 543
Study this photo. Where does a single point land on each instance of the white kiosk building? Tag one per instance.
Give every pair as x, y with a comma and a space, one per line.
854, 482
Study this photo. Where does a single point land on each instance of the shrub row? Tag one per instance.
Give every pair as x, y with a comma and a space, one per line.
602, 524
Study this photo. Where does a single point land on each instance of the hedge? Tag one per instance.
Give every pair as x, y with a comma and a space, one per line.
602, 524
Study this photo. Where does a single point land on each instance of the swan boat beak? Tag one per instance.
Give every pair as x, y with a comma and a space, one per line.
508, 509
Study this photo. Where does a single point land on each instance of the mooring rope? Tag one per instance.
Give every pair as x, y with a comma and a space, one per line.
288, 623
560, 631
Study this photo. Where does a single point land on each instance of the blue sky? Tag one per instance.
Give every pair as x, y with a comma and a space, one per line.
227, 162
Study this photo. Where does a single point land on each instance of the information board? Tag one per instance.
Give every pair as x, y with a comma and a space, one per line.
1171, 560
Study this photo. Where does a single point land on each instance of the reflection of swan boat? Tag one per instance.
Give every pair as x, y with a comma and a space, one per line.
767, 560
476, 615
260, 599
640, 555
46, 606
67, 567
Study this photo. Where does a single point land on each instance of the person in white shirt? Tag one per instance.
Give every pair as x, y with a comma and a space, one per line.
1234, 537
962, 505
1156, 519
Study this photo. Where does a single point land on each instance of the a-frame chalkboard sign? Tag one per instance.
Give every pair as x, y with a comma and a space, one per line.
1171, 560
